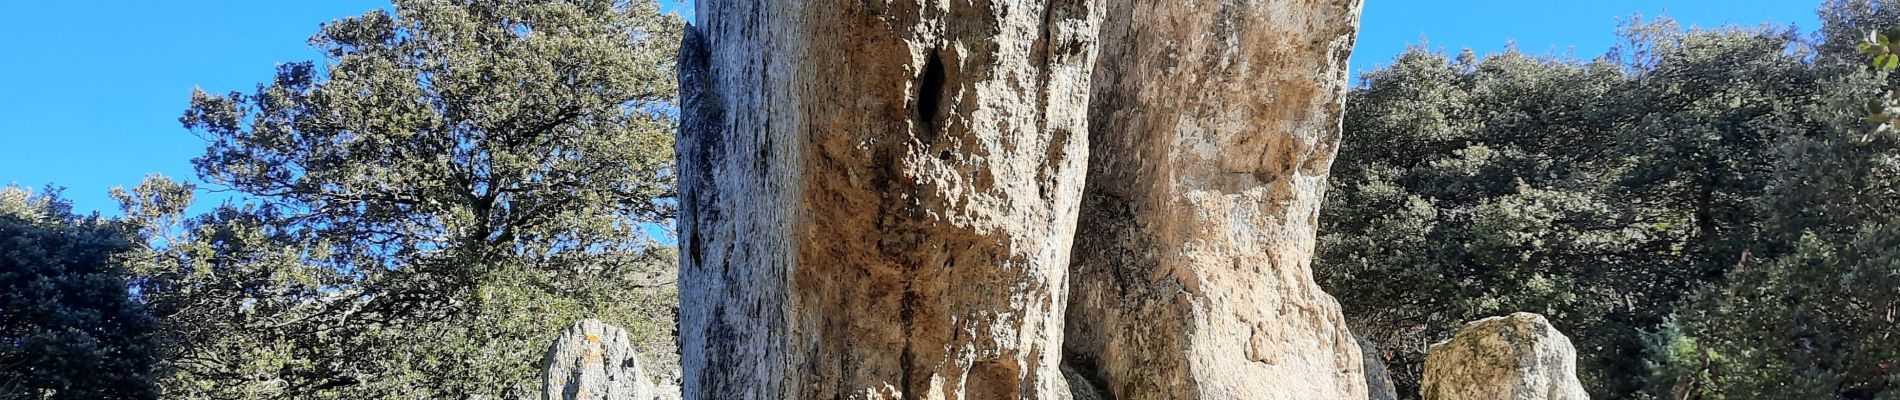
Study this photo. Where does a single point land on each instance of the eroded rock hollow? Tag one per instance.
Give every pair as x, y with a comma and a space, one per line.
878, 200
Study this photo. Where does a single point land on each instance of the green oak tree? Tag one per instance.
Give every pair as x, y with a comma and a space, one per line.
1816, 318
1815, 315
420, 212
1604, 194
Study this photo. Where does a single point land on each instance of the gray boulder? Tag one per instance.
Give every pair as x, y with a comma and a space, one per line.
594, 361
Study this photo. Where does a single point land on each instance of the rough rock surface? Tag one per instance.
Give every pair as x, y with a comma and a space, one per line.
667, 392
1080, 388
594, 361
1516, 357
1379, 385
878, 198
1213, 125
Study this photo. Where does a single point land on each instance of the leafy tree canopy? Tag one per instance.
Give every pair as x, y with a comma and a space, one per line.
68, 327
424, 208
1698, 209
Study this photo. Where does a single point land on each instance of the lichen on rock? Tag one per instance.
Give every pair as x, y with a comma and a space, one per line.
1515, 357
594, 360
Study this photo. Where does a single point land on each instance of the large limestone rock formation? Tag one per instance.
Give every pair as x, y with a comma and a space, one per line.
878, 198
594, 361
1212, 127
1516, 357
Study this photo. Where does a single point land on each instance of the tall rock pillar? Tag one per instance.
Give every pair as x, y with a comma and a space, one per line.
878, 198
1212, 126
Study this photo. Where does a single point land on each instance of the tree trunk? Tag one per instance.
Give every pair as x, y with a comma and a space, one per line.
878, 198
1212, 128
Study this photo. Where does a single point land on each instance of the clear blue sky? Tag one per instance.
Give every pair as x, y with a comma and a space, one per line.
91, 91
1585, 29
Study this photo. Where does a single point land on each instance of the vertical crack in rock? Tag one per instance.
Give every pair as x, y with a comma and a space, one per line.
1212, 127
879, 199
882, 197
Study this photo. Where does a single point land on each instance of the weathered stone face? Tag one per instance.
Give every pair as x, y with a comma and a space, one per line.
1212, 128
878, 198
594, 361
1516, 357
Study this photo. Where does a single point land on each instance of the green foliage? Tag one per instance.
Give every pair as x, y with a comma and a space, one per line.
1884, 50
1613, 196
1818, 318
1814, 323
1847, 24
1708, 218
457, 183
68, 327
1680, 367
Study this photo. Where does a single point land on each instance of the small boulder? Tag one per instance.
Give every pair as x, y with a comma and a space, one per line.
1516, 357
594, 361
